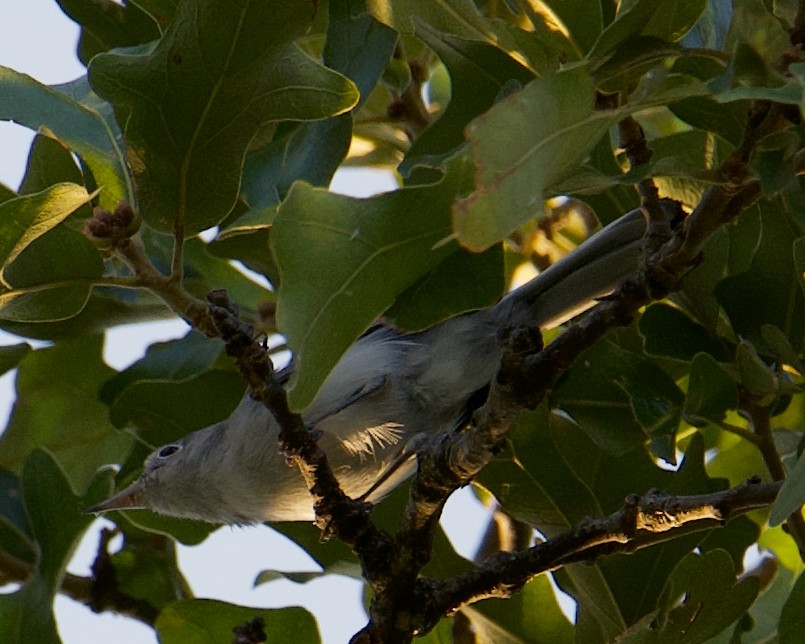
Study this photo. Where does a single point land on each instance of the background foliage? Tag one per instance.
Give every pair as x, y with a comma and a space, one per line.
235, 115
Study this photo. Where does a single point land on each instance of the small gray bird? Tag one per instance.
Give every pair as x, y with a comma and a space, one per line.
387, 388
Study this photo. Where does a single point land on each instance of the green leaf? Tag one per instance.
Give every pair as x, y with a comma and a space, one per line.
439, 295
667, 331
44, 303
52, 278
174, 360
49, 162
334, 556
792, 619
771, 282
532, 615
791, 496
478, 74
712, 392
106, 25
633, 58
656, 402
357, 46
205, 272
632, 584
57, 523
205, 621
105, 307
603, 394
532, 481
702, 598
373, 250
460, 18
193, 103
755, 374
146, 568
26, 218
521, 147
83, 129
584, 20
162, 11
780, 346
57, 408
185, 531
15, 531
163, 411
706, 113
668, 19
12, 355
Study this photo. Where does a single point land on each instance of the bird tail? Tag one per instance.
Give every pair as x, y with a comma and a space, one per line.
573, 284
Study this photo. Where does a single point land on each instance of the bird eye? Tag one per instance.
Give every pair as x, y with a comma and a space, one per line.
169, 450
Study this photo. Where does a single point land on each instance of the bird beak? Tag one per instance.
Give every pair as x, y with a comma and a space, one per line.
129, 498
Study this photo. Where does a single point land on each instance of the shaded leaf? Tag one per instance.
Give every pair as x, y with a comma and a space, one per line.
15, 532
193, 103
106, 25
57, 408
771, 284
602, 393
584, 20
667, 331
146, 567
532, 481
458, 17
532, 615
49, 162
701, 600
83, 129
57, 523
206, 621
373, 250
173, 360
439, 295
668, 19
755, 374
163, 411
792, 619
478, 73
11, 355
106, 307
712, 392
185, 531
706, 113
357, 46
791, 496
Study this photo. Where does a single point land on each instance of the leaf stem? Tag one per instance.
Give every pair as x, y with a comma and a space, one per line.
170, 290
177, 258
760, 417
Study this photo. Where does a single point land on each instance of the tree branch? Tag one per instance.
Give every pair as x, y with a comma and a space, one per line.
82, 590
641, 522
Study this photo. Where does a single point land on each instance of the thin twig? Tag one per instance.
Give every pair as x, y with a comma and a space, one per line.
760, 417
189, 308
